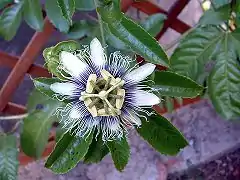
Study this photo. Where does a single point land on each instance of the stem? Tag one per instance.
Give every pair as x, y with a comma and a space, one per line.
100, 25
20, 116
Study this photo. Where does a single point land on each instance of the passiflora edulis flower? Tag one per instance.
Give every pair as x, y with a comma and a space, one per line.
102, 92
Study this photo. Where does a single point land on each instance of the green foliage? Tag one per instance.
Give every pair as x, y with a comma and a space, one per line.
154, 23
120, 152
171, 84
132, 34
85, 5
195, 50
216, 17
43, 86
162, 135
54, 12
67, 8
33, 14
68, 152
8, 157
224, 80
97, 150
80, 29
3, 3
37, 124
10, 20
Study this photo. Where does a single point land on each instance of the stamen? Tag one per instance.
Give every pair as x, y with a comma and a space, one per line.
94, 95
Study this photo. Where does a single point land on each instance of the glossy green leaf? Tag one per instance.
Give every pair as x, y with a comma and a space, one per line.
85, 5
171, 84
80, 29
8, 157
33, 14
10, 20
162, 135
68, 151
132, 34
224, 80
55, 16
37, 124
216, 17
43, 85
154, 23
120, 152
4, 3
59, 133
67, 8
195, 50
51, 55
97, 151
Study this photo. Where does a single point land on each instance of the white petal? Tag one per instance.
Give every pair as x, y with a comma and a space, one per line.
143, 98
141, 73
75, 113
97, 53
72, 63
63, 88
131, 117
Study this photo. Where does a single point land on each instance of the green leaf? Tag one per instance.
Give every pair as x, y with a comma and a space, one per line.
219, 3
59, 133
67, 9
133, 35
33, 14
8, 158
51, 55
37, 124
224, 80
171, 84
120, 152
216, 17
68, 151
43, 85
97, 151
162, 135
169, 102
85, 5
3, 3
196, 49
10, 20
80, 29
55, 16
154, 23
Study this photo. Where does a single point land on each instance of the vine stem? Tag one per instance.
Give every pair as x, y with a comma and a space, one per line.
100, 24
20, 116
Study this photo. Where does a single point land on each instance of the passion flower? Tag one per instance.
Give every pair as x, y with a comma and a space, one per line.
104, 93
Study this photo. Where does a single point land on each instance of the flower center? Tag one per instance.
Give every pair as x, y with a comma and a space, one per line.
104, 96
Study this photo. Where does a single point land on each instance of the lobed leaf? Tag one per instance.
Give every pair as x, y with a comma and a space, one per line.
195, 50
224, 80
8, 157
